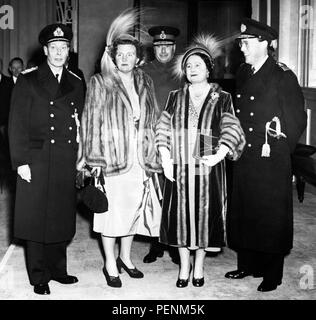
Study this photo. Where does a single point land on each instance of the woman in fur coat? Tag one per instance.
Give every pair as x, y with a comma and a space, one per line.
117, 138
196, 131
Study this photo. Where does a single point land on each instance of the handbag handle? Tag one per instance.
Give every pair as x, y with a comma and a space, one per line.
95, 179
100, 180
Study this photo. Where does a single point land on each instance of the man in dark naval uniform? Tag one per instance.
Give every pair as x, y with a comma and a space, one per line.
46, 106
160, 70
270, 106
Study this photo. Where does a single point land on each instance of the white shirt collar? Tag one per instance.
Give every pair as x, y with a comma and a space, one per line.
14, 79
53, 70
259, 64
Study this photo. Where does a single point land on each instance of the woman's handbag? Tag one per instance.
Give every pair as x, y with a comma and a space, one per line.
94, 195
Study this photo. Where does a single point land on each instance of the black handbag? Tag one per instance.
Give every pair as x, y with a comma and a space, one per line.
94, 195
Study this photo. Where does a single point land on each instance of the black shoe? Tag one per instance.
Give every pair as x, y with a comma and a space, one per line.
266, 286
198, 282
41, 288
133, 273
66, 279
152, 256
237, 274
182, 283
112, 281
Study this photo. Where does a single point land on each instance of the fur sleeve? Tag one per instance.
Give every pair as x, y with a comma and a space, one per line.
231, 132
163, 128
85, 133
163, 131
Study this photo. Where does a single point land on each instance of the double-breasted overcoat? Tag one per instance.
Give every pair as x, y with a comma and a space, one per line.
261, 213
43, 134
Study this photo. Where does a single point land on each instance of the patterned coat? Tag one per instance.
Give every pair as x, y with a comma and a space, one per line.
107, 126
43, 134
210, 195
261, 215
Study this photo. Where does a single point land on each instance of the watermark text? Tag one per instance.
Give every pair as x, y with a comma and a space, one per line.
6, 17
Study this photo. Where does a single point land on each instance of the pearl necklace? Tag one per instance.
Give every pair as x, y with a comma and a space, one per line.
197, 99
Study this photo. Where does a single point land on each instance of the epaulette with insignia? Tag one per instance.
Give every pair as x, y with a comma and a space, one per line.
283, 66
29, 70
74, 74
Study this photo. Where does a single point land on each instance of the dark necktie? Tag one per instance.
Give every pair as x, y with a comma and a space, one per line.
253, 70
56, 76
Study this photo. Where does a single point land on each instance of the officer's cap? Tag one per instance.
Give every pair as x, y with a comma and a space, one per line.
255, 29
164, 34
55, 32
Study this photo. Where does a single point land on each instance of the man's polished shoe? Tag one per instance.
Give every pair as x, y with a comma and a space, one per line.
41, 288
237, 274
198, 282
152, 256
266, 286
66, 279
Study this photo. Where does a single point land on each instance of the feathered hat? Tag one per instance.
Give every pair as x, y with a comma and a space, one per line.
205, 44
119, 29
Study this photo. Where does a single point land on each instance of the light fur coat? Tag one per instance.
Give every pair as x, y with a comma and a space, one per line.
107, 126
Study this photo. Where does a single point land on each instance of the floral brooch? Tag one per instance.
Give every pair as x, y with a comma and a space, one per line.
214, 95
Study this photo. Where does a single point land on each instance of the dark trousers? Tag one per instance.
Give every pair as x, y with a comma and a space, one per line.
156, 247
45, 261
262, 264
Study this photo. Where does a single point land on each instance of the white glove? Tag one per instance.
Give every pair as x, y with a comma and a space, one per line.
214, 159
167, 163
25, 172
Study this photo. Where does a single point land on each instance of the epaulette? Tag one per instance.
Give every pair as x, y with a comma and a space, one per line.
283, 66
74, 74
29, 70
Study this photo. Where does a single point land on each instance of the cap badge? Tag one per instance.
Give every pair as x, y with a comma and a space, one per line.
243, 28
58, 32
162, 35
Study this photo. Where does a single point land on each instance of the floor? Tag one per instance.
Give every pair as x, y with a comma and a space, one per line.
85, 261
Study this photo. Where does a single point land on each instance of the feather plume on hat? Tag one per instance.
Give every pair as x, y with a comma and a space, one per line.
205, 44
119, 28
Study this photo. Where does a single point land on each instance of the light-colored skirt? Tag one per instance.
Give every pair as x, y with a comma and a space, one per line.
133, 205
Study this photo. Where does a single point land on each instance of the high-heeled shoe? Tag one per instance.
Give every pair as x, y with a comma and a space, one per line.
133, 273
198, 282
182, 283
112, 281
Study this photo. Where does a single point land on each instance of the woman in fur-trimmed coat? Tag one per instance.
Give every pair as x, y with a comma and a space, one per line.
117, 138
194, 200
